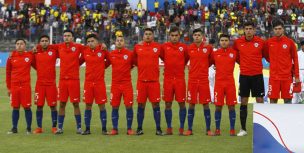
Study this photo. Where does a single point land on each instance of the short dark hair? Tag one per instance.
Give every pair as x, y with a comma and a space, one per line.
211, 41
70, 31
43, 36
174, 29
224, 36
249, 23
302, 43
20, 39
148, 29
197, 30
91, 36
277, 22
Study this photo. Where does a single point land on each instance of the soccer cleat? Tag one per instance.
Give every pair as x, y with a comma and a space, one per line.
104, 132
86, 132
79, 131
28, 131
113, 132
242, 133
59, 131
169, 131
130, 132
217, 132
188, 132
232, 133
54, 129
37, 131
13, 131
209, 133
181, 131
159, 132
139, 132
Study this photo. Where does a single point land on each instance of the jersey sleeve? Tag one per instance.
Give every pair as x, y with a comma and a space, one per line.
162, 52
107, 59
237, 52
8, 73
186, 55
294, 56
134, 59
266, 51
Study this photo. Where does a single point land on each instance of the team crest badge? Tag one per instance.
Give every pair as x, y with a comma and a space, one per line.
99, 54
50, 53
284, 46
256, 45
181, 49
125, 57
231, 55
26, 59
205, 50
155, 50
73, 49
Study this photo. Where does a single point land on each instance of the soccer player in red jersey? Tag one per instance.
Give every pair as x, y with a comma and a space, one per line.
146, 57
284, 65
69, 84
94, 86
250, 49
224, 60
18, 77
45, 64
122, 62
198, 83
174, 55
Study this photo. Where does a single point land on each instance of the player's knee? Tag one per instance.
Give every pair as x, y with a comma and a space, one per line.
155, 105
39, 108
218, 108
128, 106
244, 100
53, 108
259, 100
62, 105
76, 105
168, 105
206, 106
27, 108
141, 105
101, 107
182, 105
191, 106
287, 101
231, 107
16, 108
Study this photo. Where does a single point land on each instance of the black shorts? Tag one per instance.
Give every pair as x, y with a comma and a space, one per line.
255, 84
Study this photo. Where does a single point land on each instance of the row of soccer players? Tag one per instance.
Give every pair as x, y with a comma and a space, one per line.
248, 51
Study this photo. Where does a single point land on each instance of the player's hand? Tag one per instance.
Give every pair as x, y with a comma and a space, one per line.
9, 93
297, 80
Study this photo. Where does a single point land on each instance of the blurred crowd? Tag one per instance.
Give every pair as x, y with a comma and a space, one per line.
109, 20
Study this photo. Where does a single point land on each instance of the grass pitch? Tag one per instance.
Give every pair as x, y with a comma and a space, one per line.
149, 142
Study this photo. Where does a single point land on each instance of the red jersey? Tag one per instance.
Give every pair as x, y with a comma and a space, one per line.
18, 68
175, 58
224, 61
122, 63
199, 62
96, 63
250, 54
146, 58
45, 64
69, 60
283, 58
